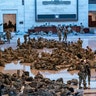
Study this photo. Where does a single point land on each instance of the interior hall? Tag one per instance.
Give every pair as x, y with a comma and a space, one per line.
48, 48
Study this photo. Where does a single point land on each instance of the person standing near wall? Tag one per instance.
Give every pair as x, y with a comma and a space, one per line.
82, 27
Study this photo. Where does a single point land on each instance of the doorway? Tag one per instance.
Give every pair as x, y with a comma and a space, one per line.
9, 22
92, 19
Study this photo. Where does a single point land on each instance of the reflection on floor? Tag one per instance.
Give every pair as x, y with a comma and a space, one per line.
88, 40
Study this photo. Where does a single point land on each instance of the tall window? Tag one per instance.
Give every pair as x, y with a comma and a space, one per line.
22, 2
92, 1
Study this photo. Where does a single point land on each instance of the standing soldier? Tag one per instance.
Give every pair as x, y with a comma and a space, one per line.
8, 36
88, 71
79, 42
18, 42
82, 75
65, 32
82, 27
25, 38
59, 32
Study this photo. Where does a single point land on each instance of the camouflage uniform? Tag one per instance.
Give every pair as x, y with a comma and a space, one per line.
88, 71
8, 36
79, 42
65, 31
59, 33
25, 38
18, 42
82, 75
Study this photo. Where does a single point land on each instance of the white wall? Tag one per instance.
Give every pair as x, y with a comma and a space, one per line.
12, 7
83, 12
30, 15
26, 13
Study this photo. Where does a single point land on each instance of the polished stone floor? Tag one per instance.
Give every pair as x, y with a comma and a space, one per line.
88, 40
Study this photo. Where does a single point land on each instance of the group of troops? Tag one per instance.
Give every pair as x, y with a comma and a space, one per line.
63, 30
17, 84
84, 69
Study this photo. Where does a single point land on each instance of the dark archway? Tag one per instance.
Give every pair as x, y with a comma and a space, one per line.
92, 19
9, 22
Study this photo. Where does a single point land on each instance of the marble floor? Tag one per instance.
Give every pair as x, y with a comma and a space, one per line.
88, 40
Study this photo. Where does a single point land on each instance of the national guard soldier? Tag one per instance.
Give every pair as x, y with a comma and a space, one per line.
18, 42
25, 38
59, 32
82, 75
8, 36
79, 42
88, 70
65, 32
82, 27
